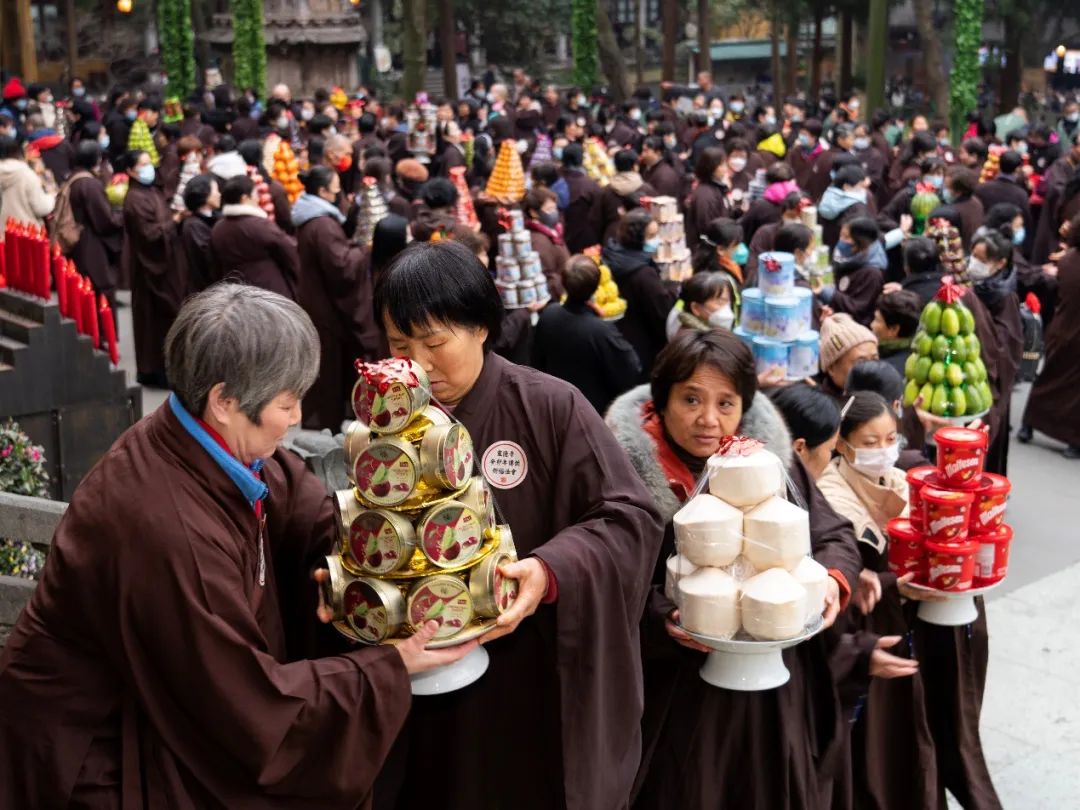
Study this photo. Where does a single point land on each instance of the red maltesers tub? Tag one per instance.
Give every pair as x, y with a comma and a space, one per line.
946, 514
906, 552
992, 557
988, 511
917, 478
961, 453
951, 567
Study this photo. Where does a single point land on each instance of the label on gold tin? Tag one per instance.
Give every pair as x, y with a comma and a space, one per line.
450, 535
365, 613
446, 600
457, 460
374, 543
505, 591
385, 474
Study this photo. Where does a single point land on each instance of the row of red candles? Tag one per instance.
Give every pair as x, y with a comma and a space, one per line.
25, 265
955, 537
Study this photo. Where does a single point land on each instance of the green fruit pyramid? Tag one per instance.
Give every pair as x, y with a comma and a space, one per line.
945, 366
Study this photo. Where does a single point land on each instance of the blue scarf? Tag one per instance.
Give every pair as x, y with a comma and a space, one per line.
246, 478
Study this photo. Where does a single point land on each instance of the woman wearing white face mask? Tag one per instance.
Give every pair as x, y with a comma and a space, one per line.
708, 300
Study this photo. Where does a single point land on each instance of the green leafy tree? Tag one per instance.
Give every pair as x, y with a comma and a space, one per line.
967, 37
584, 42
177, 39
248, 48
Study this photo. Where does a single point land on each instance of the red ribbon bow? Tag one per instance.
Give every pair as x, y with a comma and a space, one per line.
949, 291
738, 446
382, 374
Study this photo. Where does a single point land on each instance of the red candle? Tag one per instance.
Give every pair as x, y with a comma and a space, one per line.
10, 255
74, 311
26, 260
110, 330
90, 313
59, 265
42, 256
16, 255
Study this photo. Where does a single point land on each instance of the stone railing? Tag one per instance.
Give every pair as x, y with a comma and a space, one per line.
34, 521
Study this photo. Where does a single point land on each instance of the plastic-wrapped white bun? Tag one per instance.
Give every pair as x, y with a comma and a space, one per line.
812, 575
776, 534
677, 567
709, 603
745, 480
708, 531
773, 606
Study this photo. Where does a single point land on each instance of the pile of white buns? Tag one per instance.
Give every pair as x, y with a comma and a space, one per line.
743, 553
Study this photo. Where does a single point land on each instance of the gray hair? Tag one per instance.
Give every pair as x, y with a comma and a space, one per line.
258, 343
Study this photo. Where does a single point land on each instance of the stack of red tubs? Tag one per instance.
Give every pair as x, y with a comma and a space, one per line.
955, 537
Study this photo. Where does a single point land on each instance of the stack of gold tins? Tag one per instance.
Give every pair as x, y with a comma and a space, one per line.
418, 534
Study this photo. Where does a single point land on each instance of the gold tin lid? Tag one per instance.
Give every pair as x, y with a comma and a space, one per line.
381, 542
348, 509
444, 598
333, 589
449, 534
357, 439
374, 610
387, 472
477, 496
491, 592
446, 456
390, 394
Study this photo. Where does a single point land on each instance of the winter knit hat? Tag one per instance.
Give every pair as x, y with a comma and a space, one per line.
410, 169
14, 89
839, 334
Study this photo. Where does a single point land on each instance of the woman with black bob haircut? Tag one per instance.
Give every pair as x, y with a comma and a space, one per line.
565, 669
706, 301
720, 247
707, 747
710, 199
813, 418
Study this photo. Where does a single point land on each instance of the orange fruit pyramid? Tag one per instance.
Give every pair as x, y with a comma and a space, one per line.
508, 177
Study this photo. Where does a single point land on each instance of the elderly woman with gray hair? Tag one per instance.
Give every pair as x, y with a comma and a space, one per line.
163, 658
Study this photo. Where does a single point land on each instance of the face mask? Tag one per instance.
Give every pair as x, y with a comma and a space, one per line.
549, 218
635, 115
1021, 149
936, 180
48, 99
145, 174
130, 115
104, 141
20, 104
556, 152
78, 92
741, 254
331, 131
651, 245
1018, 236
669, 143
770, 120
344, 164
282, 122
854, 106
307, 114
716, 112
875, 462
944, 143
737, 106
1073, 117
582, 101
862, 144
737, 164
948, 196
978, 270
722, 318
804, 141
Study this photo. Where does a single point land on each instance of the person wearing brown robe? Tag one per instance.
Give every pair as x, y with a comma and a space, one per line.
657, 171
554, 723
623, 193
542, 221
1053, 406
335, 290
97, 252
960, 187
583, 190
162, 660
249, 247
150, 258
706, 747
1061, 187
707, 202
843, 140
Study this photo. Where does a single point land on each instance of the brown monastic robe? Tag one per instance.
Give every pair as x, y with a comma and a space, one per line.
153, 669
554, 723
98, 249
152, 263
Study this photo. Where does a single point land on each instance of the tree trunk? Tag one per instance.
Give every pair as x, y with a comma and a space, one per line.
791, 78
774, 42
1012, 73
414, 46
704, 37
877, 43
843, 81
936, 80
611, 58
28, 65
448, 47
639, 42
670, 10
72, 39
816, 55
200, 24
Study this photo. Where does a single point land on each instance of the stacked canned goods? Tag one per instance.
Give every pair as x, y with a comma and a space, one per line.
518, 273
418, 533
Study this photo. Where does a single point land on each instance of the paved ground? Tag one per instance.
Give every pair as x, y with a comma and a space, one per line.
1031, 717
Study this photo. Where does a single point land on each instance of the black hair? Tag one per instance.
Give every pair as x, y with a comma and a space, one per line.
390, 237
625, 160
225, 143
901, 308
1000, 217
779, 172
317, 178
149, 104
975, 146
535, 198
9, 148
251, 151
810, 413
864, 232
813, 126
572, 155
632, 227
921, 255
88, 154
438, 192
878, 376
793, 236
720, 233
439, 282
997, 246
850, 175
862, 407
792, 202
653, 142
931, 164
235, 188
919, 145
379, 168
711, 158
842, 131
690, 349
705, 286
580, 279
949, 213
1016, 135
1009, 162
197, 191
545, 174
879, 119
316, 148
127, 160
367, 123
962, 180
319, 124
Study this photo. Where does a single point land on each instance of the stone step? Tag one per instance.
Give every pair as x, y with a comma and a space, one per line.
10, 349
16, 327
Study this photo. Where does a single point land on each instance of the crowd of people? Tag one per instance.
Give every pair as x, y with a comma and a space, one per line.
593, 698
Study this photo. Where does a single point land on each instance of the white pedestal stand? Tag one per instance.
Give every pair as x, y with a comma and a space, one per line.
748, 666
453, 676
955, 609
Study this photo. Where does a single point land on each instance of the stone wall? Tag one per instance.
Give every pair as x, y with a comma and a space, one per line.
33, 520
